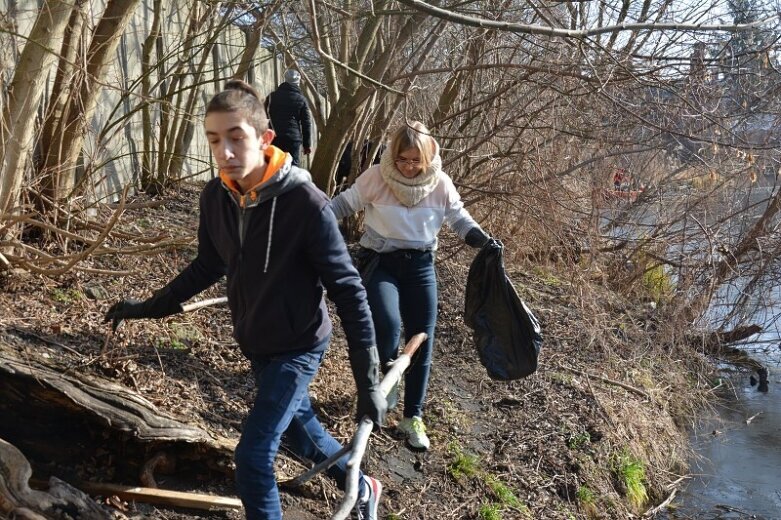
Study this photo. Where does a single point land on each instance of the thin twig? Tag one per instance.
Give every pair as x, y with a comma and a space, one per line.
625, 386
653, 511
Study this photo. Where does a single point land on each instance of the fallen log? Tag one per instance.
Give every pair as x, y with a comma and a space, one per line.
55, 415
715, 341
60, 502
718, 344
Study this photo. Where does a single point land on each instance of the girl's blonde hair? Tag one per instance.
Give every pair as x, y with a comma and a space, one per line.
415, 135
239, 96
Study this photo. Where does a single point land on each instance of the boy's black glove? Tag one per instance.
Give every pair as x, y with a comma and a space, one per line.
161, 304
476, 238
366, 371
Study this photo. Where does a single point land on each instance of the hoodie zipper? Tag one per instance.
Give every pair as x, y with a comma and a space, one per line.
242, 231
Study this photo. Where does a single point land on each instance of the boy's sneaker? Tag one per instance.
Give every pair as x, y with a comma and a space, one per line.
415, 430
368, 504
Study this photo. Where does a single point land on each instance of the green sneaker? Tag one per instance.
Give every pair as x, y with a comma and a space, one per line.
415, 430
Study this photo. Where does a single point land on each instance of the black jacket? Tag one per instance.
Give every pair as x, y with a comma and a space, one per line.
289, 114
280, 248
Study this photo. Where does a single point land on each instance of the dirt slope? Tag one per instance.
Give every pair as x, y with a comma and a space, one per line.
550, 446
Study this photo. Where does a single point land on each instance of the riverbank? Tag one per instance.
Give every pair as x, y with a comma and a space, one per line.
597, 432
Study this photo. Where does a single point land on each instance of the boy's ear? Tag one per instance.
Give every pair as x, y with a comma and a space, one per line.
267, 137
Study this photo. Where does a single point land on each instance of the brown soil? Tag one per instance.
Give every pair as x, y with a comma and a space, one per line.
552, 441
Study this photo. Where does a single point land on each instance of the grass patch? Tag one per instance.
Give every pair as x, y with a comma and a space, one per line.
503, 493
490, 512
467, 465
578, 441
631, 472
586, 496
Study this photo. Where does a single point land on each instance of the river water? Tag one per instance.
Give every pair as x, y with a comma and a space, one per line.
736, 473
736, 470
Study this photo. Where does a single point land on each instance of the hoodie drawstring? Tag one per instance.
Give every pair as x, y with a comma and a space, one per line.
270, 233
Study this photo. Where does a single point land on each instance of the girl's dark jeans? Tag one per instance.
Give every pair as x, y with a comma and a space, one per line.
403, 290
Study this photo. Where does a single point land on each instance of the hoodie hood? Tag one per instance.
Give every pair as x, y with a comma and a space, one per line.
289, 86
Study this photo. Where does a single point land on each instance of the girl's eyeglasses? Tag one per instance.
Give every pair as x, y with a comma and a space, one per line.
408, 162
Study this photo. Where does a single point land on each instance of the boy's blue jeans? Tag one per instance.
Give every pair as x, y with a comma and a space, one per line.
403, 289
282, 406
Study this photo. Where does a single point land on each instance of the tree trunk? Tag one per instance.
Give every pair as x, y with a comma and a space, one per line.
101, 53
252, 42
147, 126
54, 128
24, 96
93, 415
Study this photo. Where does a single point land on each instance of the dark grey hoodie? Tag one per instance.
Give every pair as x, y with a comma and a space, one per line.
280, 247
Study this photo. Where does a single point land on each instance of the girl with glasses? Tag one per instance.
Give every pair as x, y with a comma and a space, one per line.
406, 199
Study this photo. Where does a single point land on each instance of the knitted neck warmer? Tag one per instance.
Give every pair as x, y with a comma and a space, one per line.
410, 191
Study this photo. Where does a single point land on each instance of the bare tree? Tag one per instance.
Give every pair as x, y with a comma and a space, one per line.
25, 92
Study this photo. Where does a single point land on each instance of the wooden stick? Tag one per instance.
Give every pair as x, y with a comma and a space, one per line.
204, 303
161, 496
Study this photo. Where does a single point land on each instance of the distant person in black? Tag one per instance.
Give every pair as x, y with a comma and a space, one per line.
290, 119
345, 162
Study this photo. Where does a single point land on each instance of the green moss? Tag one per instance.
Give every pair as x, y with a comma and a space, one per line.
578, 441
181, 337
658, 283
561, 378
65, 295
546, 277
186, 334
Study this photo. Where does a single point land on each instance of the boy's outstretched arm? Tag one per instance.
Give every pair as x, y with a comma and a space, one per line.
328, 253
200, 274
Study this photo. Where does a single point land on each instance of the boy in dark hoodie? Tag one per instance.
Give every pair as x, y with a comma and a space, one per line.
265, 226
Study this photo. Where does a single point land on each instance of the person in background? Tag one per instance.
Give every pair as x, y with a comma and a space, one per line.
290, 117
345, 162
265, 226
406, 199
618, 179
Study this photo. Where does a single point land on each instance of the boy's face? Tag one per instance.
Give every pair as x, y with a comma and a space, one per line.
237, 147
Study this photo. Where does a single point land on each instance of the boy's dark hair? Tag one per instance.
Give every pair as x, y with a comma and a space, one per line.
239, 96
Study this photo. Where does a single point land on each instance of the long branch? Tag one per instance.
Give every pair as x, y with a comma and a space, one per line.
474, 21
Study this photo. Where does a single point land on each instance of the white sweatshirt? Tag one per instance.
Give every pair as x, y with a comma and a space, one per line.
389, 225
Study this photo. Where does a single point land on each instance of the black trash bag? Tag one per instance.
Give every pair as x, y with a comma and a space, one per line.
506, 333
